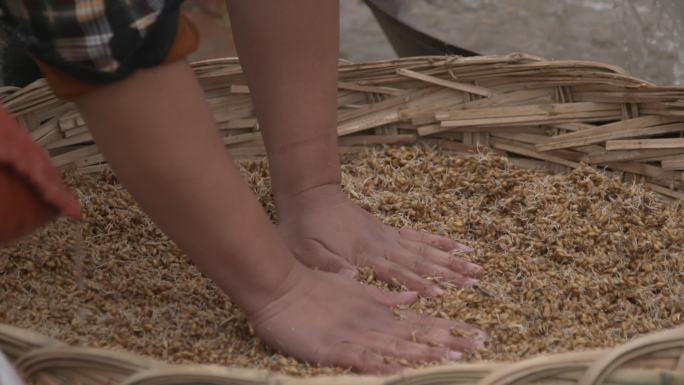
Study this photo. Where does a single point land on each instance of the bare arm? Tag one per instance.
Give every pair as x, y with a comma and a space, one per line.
157, 133
289, 51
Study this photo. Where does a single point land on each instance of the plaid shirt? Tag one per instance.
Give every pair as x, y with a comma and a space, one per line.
95, 40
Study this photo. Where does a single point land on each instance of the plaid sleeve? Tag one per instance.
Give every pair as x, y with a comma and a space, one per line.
95, 40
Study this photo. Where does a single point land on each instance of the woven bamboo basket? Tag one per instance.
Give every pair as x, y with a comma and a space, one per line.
555, 115
656, 359
550, 114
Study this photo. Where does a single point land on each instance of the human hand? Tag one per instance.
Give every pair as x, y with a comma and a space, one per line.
328, 231
31, 189
329, 319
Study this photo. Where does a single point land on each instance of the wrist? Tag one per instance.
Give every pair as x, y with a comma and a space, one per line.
304, 166
312, 198
252, 292
297, 283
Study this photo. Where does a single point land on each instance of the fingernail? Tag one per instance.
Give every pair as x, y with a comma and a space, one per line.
474, 267
482, 335
405, 298
470, 282
437, 290
455, 356
478, 344
348, 272
463, 249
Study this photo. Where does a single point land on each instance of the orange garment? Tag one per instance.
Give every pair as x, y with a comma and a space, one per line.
31, 190
68, 87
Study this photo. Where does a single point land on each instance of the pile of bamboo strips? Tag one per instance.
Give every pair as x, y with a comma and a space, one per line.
652, 359
552, 114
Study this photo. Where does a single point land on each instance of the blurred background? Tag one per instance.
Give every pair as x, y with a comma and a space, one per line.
643, 36
646, 37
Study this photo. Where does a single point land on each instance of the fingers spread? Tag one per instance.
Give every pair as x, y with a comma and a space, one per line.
389, 271
425, 267
390, 298
392, 346
443, 337
433, 240
358, 357
443, 258
455, 335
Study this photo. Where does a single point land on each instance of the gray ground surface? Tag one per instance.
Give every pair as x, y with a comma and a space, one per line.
644, 36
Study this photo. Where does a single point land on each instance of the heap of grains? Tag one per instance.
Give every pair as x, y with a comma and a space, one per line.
573, 261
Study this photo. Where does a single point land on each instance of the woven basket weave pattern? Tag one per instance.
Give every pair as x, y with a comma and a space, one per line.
653, 359
551, 114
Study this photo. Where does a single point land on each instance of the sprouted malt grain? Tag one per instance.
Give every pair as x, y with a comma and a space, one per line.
573, 261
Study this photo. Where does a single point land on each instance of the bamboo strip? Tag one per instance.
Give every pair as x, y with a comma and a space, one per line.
369, 140
242, 138
388, 103
76, 131
44, 129
528, 115
368, 121
91, 169
534, 105
51, 137
652, 359
393, 110
535, 164
74, 155
547, 110
626, 155
78, 139
90, 160
666, 176
446, 83
642, 126
370, 89
520, 137
673, 164
666, 191
608, 363
15, 342
643, 144
532, 153
451, 146
239, 89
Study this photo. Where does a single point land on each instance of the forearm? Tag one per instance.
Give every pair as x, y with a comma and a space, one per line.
289, 50
159, 137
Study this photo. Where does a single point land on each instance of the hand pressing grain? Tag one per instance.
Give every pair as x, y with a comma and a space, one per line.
320, 225
314, 316
333, 320
327, 231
